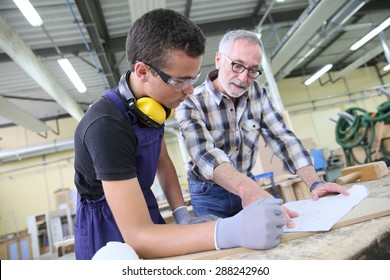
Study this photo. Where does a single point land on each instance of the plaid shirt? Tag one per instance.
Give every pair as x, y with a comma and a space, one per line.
215, 130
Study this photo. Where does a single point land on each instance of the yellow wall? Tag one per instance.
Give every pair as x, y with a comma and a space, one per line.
27, 186
316, 124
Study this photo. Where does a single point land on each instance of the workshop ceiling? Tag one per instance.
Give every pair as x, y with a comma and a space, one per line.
299, 36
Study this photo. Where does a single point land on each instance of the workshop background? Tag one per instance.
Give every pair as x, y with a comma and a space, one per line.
40, 106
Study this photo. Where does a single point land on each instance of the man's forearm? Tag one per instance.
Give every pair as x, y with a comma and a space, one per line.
308, 175
235, 182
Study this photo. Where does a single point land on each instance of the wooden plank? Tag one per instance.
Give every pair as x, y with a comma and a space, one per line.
375, 206
370, 208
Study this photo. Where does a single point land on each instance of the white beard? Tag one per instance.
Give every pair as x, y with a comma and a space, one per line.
234, 94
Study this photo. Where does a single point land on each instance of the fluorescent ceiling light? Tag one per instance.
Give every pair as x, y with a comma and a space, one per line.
386, 68
323, 70
371, 34
72, 74
29, 12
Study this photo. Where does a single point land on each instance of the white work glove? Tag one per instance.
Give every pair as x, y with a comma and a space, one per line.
182, 216
257, 226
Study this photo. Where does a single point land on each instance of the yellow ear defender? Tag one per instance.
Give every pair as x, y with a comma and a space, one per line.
148, 110
153, 109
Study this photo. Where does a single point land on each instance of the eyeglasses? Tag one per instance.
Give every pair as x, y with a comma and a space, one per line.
177, 84
239, 68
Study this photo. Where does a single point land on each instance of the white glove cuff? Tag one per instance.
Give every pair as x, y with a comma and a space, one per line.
215, 235
179, 208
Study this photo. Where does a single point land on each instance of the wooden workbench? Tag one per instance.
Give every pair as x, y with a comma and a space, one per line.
363, 234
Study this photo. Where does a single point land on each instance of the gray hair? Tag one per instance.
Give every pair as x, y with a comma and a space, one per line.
230, 37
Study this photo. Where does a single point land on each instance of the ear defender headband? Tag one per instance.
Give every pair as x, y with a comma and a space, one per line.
146, 109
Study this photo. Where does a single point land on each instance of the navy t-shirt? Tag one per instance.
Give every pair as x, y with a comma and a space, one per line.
112, 146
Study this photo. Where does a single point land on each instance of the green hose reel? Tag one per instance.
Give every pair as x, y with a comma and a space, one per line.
356, 128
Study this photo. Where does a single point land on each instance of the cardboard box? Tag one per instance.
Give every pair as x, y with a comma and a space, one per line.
62, 198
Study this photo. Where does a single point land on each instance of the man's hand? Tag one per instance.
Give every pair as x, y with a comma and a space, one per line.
182, 216
257, 193
320, 190
325, 188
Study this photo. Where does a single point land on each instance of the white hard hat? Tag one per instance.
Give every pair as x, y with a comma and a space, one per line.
116, 251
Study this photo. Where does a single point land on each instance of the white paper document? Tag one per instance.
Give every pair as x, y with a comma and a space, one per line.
322, 214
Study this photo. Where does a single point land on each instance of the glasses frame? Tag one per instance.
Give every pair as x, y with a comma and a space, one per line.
258, 72
177, 84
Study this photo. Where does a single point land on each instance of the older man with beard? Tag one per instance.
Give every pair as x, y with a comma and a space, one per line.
221, 123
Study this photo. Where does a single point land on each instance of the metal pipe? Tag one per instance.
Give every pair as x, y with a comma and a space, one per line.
312, 108
265, 14
385, 46
363, 91
19, 154
87, 46
5, 173
273, 88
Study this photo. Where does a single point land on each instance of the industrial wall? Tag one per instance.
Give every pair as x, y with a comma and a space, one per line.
27, 185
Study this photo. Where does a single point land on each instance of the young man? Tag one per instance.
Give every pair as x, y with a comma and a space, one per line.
221, 124
119, 150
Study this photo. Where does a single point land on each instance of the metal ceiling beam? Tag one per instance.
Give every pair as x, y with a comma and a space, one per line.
93, 19
258, 7
47, 52
323, 11
21, 54
357, 63
220, 27
187, 10
33, 151
139, 7
20, 117
265, 15
209, 29
317, 43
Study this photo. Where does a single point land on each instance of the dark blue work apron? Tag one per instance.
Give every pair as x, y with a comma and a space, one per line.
95, 224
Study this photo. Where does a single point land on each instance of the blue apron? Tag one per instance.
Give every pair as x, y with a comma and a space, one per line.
95, 224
